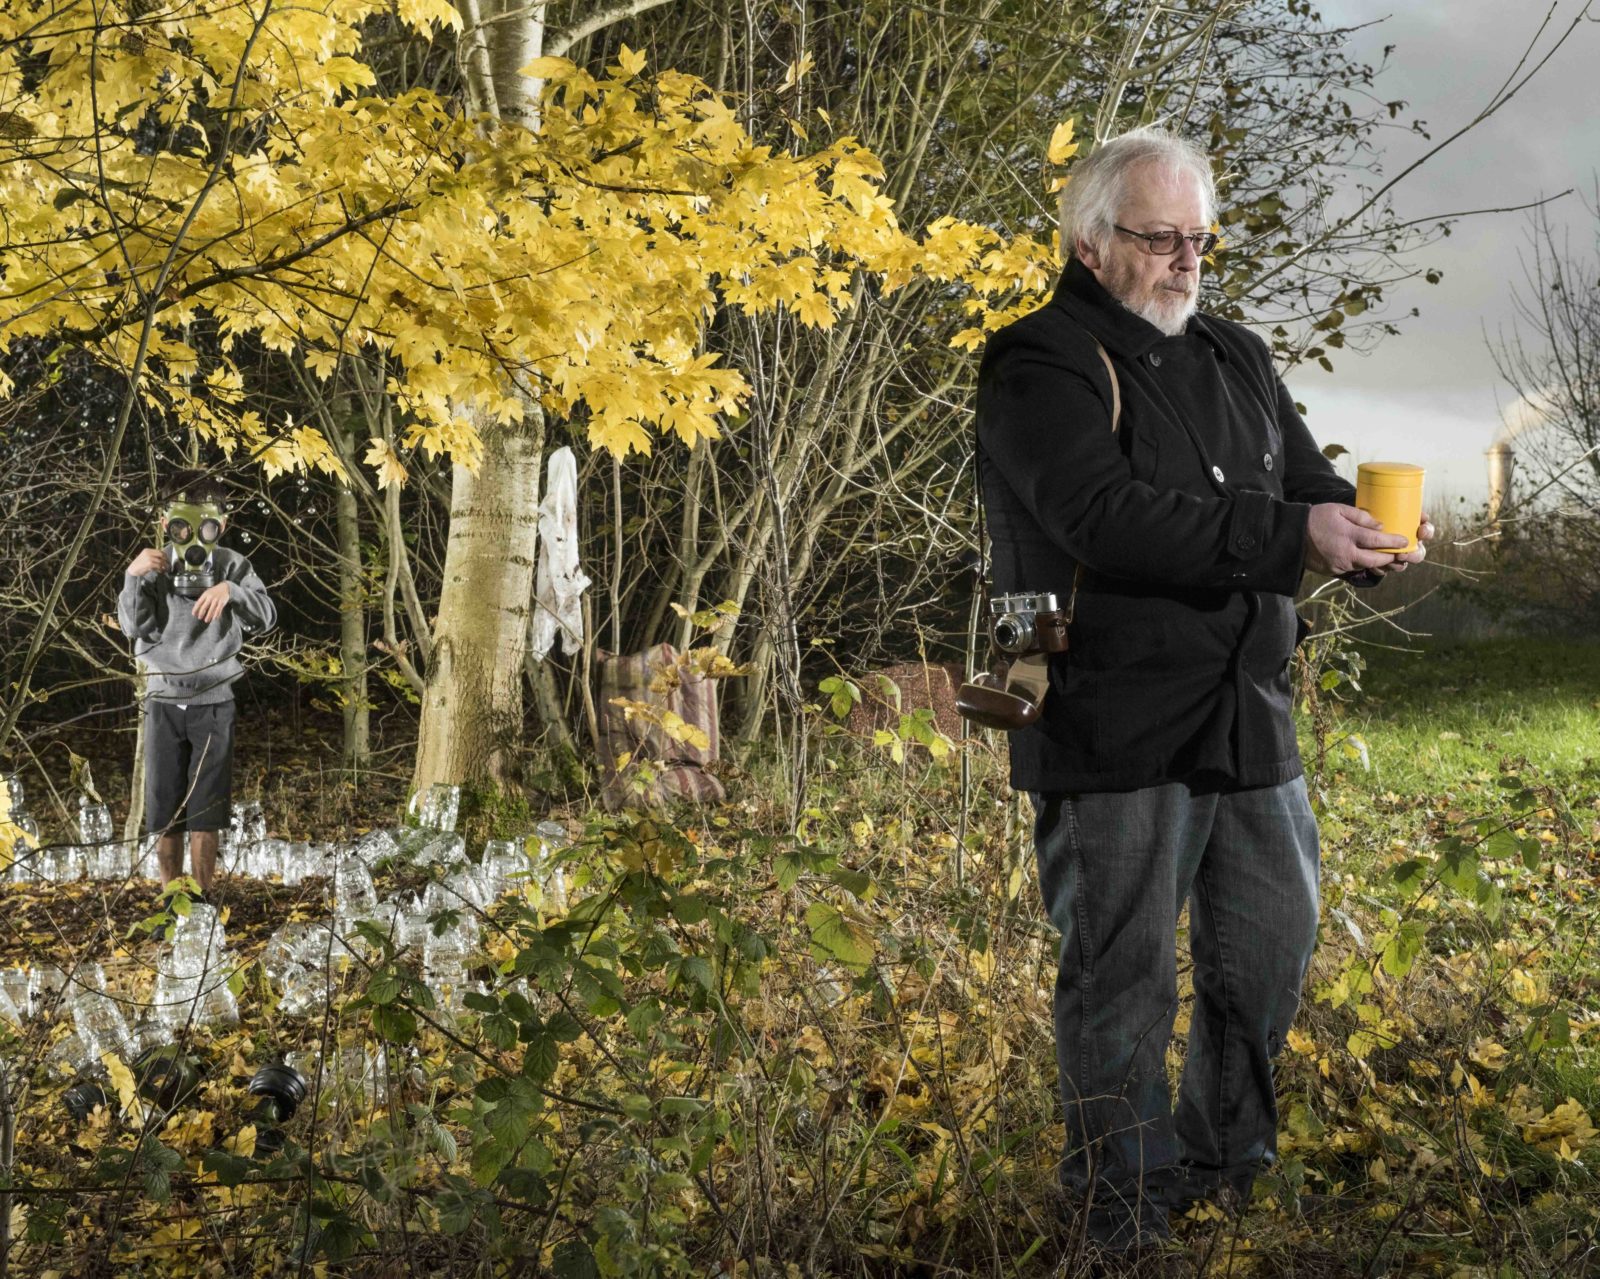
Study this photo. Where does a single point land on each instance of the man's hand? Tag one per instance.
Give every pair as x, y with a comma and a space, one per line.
146, 561
1425, 531
1345, 539
211, 602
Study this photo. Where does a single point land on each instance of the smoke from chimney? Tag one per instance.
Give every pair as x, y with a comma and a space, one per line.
1522, 414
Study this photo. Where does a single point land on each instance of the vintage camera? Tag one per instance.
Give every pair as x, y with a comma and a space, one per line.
193, 531
1027, 628
1020, 624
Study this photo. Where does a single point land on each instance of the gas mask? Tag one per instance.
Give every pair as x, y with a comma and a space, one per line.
193, 530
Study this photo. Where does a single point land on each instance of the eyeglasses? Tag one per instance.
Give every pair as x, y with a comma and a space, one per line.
1165, 243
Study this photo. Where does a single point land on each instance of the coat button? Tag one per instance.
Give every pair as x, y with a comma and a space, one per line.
1266, 460
1247, 543
1216, 474
1155, 360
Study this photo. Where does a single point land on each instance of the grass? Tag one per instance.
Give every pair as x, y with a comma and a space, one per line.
1436, 714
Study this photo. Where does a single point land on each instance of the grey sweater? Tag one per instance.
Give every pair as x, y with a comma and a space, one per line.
191, 661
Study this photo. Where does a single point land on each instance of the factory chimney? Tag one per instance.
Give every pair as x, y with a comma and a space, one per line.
1502, 465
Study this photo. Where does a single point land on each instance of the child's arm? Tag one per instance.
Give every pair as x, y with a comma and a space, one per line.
247, 593
142, 602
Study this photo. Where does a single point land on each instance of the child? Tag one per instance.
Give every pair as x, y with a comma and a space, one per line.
187, 609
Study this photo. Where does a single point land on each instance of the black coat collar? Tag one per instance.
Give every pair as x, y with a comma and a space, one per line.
1122, 332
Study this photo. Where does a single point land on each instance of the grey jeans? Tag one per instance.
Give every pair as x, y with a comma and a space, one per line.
1115, 869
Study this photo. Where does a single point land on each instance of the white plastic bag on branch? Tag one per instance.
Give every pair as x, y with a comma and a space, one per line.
559, 583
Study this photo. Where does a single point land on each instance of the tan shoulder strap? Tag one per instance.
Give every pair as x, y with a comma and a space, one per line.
1116, 389
1116, 421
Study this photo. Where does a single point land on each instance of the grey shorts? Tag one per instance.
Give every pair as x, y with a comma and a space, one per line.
188, 766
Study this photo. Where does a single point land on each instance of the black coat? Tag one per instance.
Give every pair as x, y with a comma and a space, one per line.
1191, 525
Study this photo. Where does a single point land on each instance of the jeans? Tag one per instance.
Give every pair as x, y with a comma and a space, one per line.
1115, 869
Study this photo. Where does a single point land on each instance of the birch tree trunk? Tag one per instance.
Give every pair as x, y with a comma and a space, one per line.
472, 708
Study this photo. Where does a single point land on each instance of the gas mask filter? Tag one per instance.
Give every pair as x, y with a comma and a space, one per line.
193, 531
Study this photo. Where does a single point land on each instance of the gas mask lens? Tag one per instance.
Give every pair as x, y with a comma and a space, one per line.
210, 530
180, 530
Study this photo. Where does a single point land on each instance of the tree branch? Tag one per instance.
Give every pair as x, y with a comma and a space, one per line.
558, 47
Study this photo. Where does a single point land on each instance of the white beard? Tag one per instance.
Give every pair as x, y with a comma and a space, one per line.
1171, 322
1121, 284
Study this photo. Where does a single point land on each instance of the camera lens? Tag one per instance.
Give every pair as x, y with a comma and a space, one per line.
1012, 633
194, 557
210, 530
179, 530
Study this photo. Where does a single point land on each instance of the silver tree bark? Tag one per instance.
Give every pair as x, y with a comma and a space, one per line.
472, 707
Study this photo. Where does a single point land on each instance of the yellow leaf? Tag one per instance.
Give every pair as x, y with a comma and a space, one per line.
812, 1040
382, 458
243, 1143
1302, 1044
322, 363
1524, 987
814, 311
1565, 1127
122, 1081
680, 730
548, 69
618, 436
421, 14
1489, 1054
176, 1232
797, 71
347, 73
1061, 148
192, 1131
630, 61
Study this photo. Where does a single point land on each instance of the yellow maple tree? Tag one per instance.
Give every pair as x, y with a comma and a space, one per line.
181, 178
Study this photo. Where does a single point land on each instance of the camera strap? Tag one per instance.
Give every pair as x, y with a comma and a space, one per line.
1010, 696
1116, 421
983, 543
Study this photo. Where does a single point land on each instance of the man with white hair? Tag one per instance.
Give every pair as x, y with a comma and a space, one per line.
1147, 457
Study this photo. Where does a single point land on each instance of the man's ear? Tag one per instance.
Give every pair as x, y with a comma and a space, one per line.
1086, 253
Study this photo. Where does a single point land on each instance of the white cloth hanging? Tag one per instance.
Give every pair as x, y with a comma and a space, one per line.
558, 583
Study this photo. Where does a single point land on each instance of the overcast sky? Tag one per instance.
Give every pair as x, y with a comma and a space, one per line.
1430, 395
